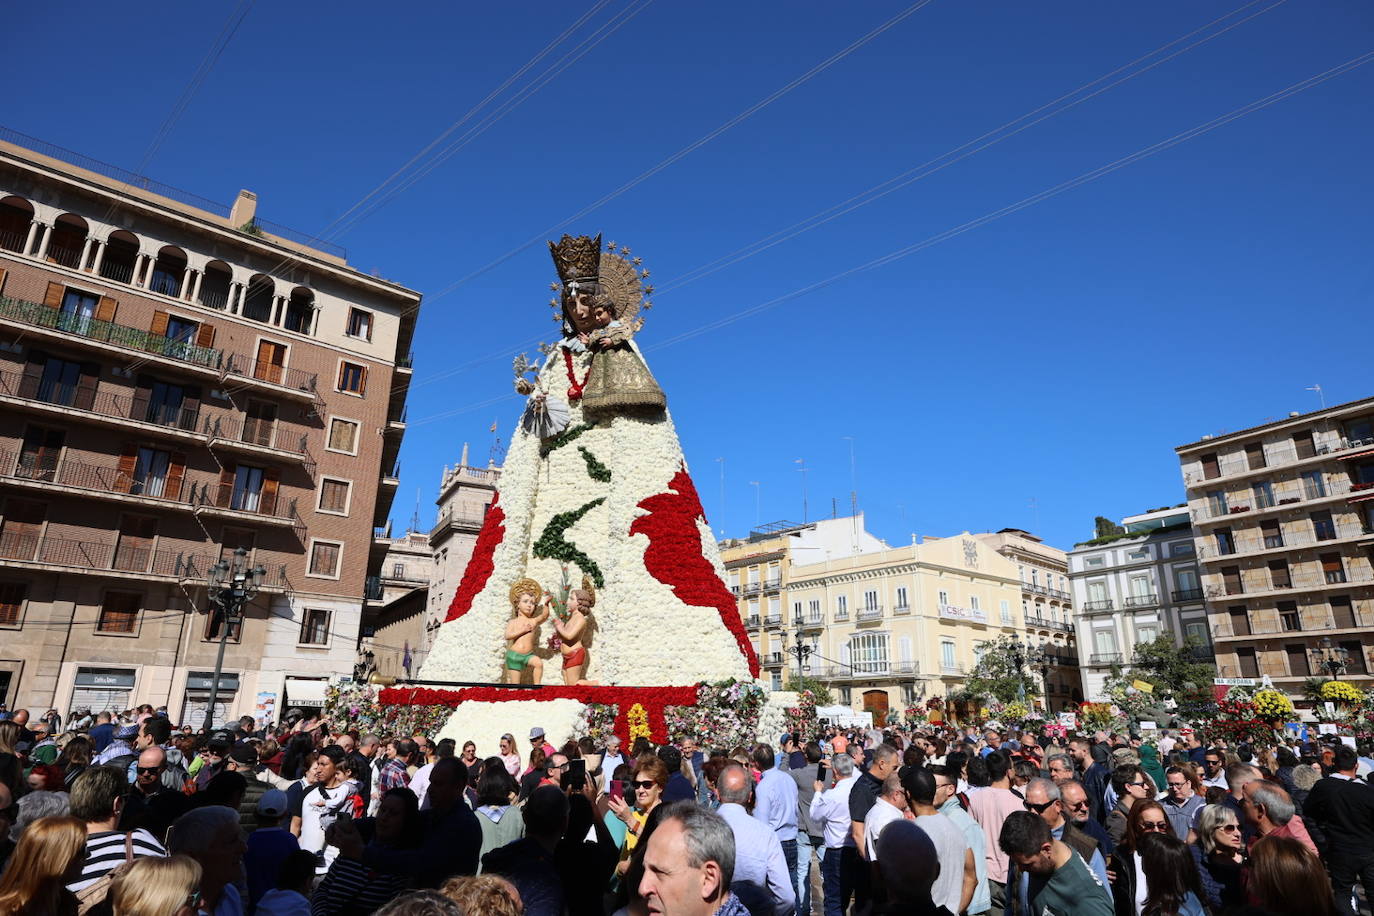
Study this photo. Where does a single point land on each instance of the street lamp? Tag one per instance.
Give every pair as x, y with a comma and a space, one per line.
801, 652
1331, 659
1017, 652
1042, 665
230, 586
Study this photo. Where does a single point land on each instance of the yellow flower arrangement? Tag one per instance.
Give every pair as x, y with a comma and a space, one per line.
1272, 705
1341, 692
638, 720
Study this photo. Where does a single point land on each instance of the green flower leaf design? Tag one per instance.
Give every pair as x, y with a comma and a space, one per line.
595, 469
552, 545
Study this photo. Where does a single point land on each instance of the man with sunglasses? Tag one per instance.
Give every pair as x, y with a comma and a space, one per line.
1079, 813
1214, 767
148, 770
1046, 799
1182, 803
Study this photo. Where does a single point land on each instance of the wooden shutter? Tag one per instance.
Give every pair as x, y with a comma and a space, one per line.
190, 406
271, 483
226, 486
1342, 614
3, 274
1210, 468
143, 393
1240, 621
128, 462
12, 596
119, 612
105, 311
159, 328
33, 374
85, 389
53, 298
1303, 445
1297, 661
205, 335
362, 380
176, 473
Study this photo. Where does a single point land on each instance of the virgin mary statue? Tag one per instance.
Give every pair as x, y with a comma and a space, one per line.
595, 485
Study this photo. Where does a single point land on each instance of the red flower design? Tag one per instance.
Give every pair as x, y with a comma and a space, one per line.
481, 565
674, 557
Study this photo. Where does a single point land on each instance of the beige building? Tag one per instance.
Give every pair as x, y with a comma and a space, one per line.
465, 495
395, 598
1283, 517
180, 379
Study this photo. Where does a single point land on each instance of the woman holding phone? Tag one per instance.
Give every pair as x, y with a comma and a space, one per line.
649, 780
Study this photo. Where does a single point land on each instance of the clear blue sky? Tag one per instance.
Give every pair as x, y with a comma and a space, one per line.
1059, 353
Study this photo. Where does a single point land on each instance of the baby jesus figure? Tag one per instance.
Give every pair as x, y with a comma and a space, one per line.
609, 331
521, 632
572, 626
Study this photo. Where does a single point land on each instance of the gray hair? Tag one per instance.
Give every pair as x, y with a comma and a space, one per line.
706, 835
1064, 759
843, 765
1208, 820
36, 805
193, 832
1277, 804
737, 794
1048, 786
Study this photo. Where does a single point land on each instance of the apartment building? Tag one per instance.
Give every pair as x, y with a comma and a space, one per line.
1132, 587
1046, 607
180, 379
1283, 517
465, 494
394, 601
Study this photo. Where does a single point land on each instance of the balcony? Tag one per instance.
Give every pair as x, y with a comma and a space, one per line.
1243, 545
1276, 455
841, 616
219, 500
1061, 595
809, 622
257, 437
1091, 606
1062, 660
1045, 623
372, 588
772, 620
870, 613
1102, 659
1288, 494
901, 610
1297, 582
772, 585
55, 323
1200, 653
282, 380
98, 480
76, 401
121, 561
753, 621
752, 588
773, 660
1134, 601
1034, 589
1187, 594
906, 668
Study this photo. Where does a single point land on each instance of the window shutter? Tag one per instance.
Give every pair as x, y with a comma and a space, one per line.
105, 311
143, 393
128, 461
205, 336
190, 407
3, 274
271, 481
85, 389
33, 374
53, 298
159, 328
362, 382
176, 473
226, 486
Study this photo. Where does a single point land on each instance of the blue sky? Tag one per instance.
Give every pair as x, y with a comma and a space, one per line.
1057, 354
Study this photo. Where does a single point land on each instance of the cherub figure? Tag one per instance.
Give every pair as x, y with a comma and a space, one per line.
521, 632
572, 626
608, 330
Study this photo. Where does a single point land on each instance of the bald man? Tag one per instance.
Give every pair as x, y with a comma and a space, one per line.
761, 880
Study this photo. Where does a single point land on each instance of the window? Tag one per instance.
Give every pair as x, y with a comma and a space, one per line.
1146, 633
247, 494
343, 436
974, 604
797, 611
39, 453
12, 595
215, 622
59, 381
868, 653
1230, 577
78, 311
1104, 642
1196, 632
271, 362
813, 609
1263, 493
324, 559
908, 694
777, 680
944, 597
1181, 548
1097, 593
1138, 553
1342, 613
846, 696
119, 612
901, 596
1035, 577
1322, 525
334, 496
1272, 533
841, 607
870, 601
1186, 580
1216, 503
352, 378
753, 575
1298, 665
359, 324
135, 545
1005, 608
1254, 456
1360, 429
1246, 661
947, 656
1313, 485
1279, 575
1240, 620
315, 627
182, 330
734, 580
1210, 466
164, 404
1332, 568
150, 472
1226, 542
259, 418
1094, 561
1288, 614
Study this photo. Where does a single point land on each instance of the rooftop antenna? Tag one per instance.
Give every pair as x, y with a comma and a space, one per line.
415, 516
1320, 397
497, 456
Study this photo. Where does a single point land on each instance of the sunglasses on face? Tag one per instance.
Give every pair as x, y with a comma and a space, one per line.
1154, 825
1230, 828
1038, 809
1135, 785
644, 784
149, 771
1083, 804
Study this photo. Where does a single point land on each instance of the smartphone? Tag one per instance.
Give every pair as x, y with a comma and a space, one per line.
575, 776
820, 771
617, 788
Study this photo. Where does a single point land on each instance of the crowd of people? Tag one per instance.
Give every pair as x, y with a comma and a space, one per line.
130, 815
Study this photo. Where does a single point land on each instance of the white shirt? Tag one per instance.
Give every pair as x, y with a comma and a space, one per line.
831, 809
950, 848
419, 784
879, 816
315, 804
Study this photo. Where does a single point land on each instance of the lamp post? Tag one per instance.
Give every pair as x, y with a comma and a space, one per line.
1017, 652
230, 586
1331, 659
801, 652
1041, 664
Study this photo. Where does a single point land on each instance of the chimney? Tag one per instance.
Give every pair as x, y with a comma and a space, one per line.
245, 209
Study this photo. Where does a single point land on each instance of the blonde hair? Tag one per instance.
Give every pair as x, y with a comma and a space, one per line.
153, 886
490, 895
34, 879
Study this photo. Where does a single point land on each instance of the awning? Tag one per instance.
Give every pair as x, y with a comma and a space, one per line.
301, 692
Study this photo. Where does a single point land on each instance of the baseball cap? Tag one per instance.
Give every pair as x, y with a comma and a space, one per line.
272, 803
536, 732
125, 732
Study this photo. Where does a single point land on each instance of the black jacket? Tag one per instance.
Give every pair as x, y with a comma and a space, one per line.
1344, 809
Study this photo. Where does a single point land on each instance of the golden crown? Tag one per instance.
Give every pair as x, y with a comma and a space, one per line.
526, 586
622, 278
577, 258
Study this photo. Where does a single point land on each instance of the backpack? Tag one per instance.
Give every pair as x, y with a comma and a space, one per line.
92, 899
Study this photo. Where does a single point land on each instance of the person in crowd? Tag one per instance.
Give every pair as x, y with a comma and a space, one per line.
290, 894
1181, 801
890, 805
1095, 776
147, 784
689, 864
1149, 762
36, 805
102, 732
1341, 805
496, 815
212, 761
1060, 767
295, 764
1238, 776
1130, 786
75, 757
419, 783
529, 862
509, 755
156, 731
908, 868
957, 882
808, 832
1220, 857
120, 752
1079, 813
649, 779
1059, 880
611, 756
947, 802
679, 787
45, 862
351, 889
484, 895
885, 761
1272, 812
329, 795
1128, 884
1286, 878
211, 836
762, 877
1171, 877
1046, 799
469, 755
830, 810
243, 760
11, 766
586, 856
990, 807
268, 846
1213, 768
775, 804
450, 835
98, 800
536, 774
156, 887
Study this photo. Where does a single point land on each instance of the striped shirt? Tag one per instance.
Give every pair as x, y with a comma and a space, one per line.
105, 852
353, 889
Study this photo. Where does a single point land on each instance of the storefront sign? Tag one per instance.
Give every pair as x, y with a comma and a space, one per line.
971, 615
204, 680
104, 677
1233, 681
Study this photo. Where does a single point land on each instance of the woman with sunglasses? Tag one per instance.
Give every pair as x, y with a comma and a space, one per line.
1219, 854
649, 780
1130, 886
